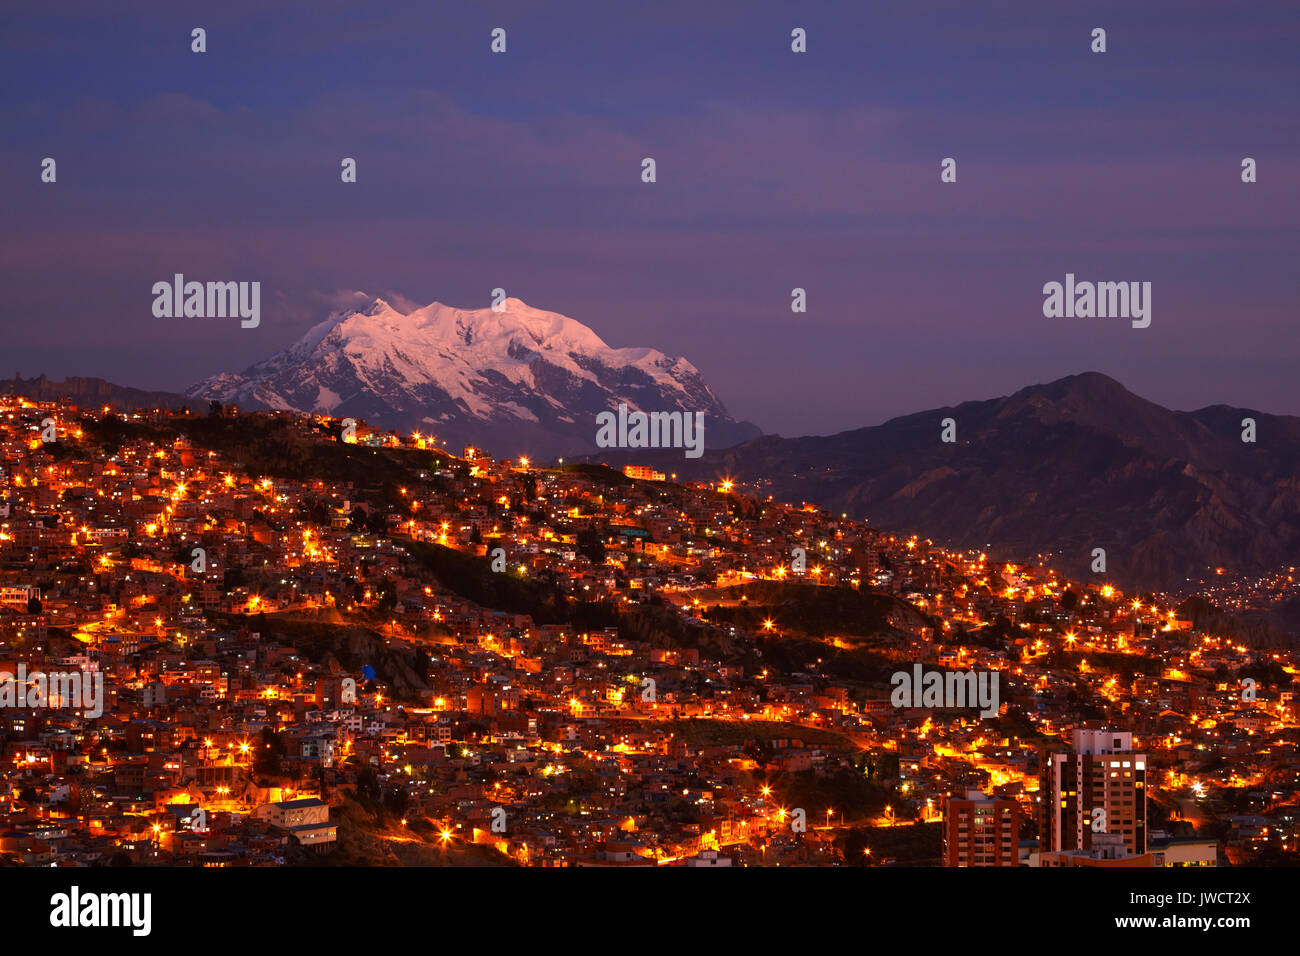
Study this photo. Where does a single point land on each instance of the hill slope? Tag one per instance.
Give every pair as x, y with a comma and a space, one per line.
1060, 468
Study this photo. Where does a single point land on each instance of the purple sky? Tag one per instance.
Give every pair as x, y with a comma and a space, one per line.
775, 170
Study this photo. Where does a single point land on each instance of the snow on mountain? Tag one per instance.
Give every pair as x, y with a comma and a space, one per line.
514, 381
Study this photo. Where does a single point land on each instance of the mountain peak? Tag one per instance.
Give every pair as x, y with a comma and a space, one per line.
1102, 405
376, 306
1084, 386
1087, 394
1088, 385
1092, 380
515, 375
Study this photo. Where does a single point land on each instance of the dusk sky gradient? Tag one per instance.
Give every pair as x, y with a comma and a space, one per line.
775, 170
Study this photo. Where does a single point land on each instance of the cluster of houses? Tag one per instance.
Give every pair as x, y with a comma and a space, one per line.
269, 649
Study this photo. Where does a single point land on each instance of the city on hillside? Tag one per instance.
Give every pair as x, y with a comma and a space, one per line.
263, 639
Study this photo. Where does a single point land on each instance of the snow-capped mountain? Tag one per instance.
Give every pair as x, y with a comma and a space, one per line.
516, 381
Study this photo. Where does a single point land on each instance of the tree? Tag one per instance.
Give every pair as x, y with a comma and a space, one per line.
269, 754
889, 769
422, 662
591, 544
397, 801
357, 519
758, 751
367, 784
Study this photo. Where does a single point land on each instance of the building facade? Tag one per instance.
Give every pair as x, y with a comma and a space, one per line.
1097, 787
980, 831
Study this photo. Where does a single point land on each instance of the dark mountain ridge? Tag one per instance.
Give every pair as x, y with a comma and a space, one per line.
1059, 469
88, 392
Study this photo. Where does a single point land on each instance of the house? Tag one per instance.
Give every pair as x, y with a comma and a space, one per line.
306, 820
